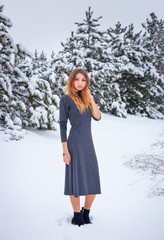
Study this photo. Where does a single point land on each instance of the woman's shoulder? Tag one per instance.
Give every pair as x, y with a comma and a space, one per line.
65, 98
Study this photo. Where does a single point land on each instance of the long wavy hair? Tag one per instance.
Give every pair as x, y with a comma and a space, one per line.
80, 98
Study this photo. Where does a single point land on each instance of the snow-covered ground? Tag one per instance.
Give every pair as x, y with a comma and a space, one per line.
32, 203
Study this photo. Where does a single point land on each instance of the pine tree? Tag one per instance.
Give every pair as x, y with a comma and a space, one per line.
84, 49
153, 40
71, 51
41, 103
25, 99
60, 71
9, 121
40, 64
135, 75
114, 48
107, 93
89, 42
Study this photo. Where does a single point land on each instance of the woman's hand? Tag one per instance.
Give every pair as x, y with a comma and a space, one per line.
89, 94
95, 110
67, 158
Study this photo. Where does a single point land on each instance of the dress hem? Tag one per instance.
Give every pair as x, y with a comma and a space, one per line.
67, 194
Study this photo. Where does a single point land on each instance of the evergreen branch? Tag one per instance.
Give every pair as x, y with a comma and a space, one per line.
29, 98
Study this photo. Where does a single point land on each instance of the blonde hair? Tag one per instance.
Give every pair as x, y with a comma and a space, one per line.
82, 102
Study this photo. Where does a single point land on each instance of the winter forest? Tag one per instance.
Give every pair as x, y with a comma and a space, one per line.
126, 70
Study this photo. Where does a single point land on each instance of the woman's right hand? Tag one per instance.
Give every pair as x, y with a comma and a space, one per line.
67, 158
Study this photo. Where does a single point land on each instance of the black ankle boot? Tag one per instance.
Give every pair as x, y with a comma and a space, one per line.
85, 213
78, 219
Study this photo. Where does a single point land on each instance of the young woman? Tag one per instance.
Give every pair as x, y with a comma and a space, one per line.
81, 171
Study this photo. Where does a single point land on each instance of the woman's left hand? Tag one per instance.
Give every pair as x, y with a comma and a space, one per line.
89, 94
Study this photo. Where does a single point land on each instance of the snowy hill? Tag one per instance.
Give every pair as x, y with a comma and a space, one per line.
32, 204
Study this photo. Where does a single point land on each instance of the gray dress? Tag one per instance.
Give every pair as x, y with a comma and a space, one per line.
82, 175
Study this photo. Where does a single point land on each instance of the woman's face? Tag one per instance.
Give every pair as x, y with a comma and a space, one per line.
79, 82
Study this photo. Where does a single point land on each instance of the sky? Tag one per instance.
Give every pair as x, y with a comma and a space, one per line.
43, 25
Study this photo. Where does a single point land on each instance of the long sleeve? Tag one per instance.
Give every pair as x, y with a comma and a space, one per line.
96, 118
63, 118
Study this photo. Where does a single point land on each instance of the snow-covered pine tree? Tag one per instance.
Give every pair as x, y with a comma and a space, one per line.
78, 51
40, 64
42, 68
21, 68
63, 63
89, 42
107, 92
35, 92
23, 59
153, 40
135, 74
86, 49
113, 49
10, 122
71, 50
35, 62
82, 48
92, 53
24, 100
41, 104
60, 68
147, 90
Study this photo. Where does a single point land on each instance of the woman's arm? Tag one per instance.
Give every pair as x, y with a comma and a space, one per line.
63, 130
65, 147
96, 112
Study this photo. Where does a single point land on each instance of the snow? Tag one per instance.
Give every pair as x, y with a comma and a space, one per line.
24, 50
21, 74
32, 203
5, 18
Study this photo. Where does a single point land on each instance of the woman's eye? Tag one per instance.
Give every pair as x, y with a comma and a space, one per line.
78, 79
